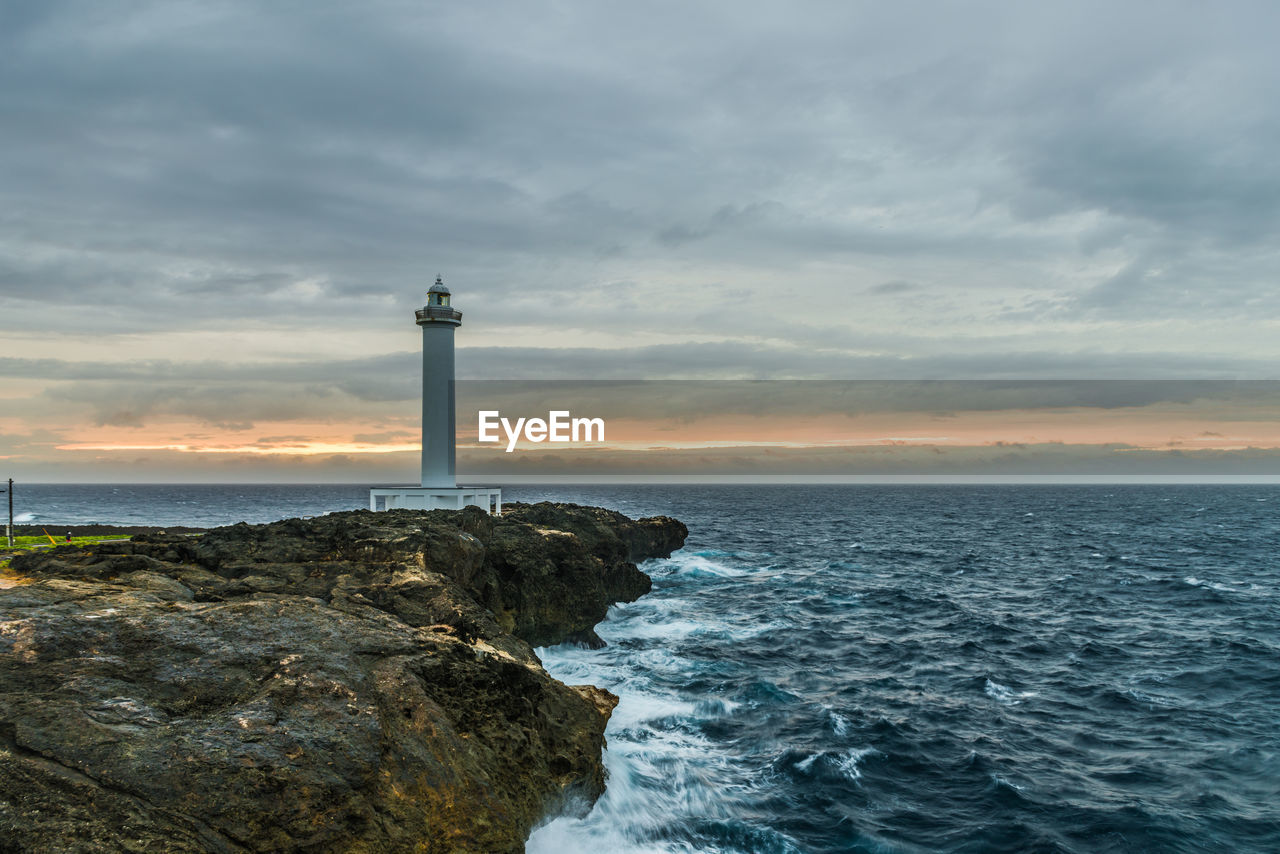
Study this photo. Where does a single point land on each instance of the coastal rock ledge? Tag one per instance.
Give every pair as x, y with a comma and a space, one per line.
360, 682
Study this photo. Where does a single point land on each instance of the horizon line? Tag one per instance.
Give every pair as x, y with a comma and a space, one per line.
744, 480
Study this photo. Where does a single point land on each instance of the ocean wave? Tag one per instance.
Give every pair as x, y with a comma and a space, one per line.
625, 820
1150, 700
659, 626
1233, 587
1005, 695
755, 678
848, 761
839, 723
666, 785
698, 565
829, 766
672, 620
715, 707
1005, 782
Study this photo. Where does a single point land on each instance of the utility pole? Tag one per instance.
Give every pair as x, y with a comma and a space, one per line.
8, 531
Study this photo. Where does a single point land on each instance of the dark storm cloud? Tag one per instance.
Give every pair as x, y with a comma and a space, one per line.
930, 461
303, 163
689, 401
396, 376
171, 155
230, 407
739, 360
237, 396
226, 395
400, 367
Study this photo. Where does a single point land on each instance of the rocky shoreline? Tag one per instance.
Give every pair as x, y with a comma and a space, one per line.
358, 682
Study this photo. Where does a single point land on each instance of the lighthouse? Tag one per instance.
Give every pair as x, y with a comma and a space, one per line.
439, 489
438, 319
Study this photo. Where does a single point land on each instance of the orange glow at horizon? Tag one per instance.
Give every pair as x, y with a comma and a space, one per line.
278, 438
304, 449
1136, 428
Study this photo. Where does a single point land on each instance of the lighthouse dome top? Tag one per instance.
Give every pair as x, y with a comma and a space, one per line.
438, 310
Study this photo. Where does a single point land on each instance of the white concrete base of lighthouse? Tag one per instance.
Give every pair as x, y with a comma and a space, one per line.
435, 498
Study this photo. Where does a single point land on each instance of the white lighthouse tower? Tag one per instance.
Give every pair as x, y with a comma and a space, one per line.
439, 489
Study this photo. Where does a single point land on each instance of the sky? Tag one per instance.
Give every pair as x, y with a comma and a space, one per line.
216, 220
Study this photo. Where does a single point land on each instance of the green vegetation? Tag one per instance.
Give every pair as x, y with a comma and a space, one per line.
25, 543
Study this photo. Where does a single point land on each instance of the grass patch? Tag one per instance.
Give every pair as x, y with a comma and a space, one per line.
27, 543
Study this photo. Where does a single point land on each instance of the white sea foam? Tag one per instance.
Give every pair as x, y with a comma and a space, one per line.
848, 762
1006, 695
839, 723
716, 708
626, 814
1234, 587
665, 629
642, 712
662, 771
653, 620
656, 778
700, 566
1005, 781
1150, 700
22, 518
1159, 675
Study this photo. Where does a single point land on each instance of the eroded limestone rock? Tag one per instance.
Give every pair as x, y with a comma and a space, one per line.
355, 682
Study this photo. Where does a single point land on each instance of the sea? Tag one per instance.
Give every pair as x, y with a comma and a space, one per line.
906, 668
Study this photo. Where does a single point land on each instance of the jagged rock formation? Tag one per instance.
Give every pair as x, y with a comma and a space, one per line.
358, 682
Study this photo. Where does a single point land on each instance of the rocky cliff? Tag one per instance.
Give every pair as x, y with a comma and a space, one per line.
357, 682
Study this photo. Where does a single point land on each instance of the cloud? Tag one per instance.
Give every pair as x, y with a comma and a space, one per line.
1012, 401
895, 287
1048, 459
893, 191
754, 360
236, 152
369, 369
